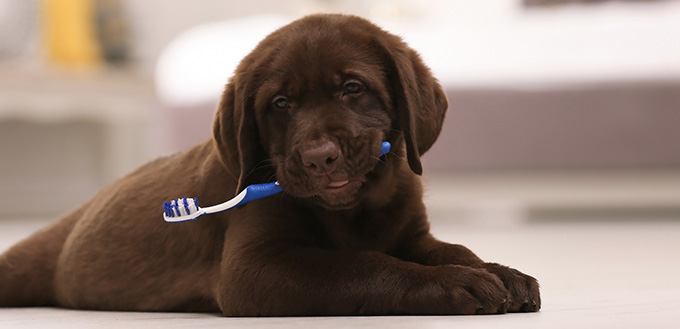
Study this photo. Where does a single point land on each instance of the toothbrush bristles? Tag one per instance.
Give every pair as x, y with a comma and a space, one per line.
181, 207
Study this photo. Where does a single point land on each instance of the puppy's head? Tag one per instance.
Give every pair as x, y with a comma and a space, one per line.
311, 105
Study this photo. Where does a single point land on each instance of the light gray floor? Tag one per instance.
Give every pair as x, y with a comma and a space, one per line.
592, 275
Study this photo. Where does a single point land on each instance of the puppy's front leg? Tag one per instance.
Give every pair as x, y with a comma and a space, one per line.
284, 280
524, 291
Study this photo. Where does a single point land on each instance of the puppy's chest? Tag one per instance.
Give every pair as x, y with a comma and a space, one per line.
362, 232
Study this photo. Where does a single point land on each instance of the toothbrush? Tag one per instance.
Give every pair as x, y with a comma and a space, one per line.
187, 209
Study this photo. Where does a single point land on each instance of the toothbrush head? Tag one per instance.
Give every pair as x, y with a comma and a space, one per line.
181, 210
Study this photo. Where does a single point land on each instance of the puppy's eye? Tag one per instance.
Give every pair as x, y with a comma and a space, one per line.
352, 87
280, 102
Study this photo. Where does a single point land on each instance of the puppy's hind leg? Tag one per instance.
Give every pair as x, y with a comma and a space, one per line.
27, 269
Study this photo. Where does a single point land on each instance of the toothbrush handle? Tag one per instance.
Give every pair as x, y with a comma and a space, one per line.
259, 191
250, 193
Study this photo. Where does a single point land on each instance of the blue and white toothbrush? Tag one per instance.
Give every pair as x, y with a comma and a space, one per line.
186, 209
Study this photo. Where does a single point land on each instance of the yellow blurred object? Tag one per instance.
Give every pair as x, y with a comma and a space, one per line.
69, 32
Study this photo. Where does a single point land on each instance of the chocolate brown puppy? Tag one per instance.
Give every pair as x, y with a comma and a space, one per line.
309, 107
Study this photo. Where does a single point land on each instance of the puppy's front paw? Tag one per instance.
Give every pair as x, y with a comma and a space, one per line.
453, 289
523, 289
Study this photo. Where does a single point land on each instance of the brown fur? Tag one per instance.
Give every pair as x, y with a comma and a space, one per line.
362, 248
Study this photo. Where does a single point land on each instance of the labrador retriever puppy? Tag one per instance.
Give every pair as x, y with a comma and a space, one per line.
309, 107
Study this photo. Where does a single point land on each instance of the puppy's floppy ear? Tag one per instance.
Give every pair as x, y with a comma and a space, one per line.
418, 97
235, 132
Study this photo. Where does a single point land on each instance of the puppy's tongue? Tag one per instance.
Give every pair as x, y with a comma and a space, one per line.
338, 183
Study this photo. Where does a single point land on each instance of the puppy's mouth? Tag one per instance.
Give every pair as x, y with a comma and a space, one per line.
337, 185
338, 194
331, 193
339, 188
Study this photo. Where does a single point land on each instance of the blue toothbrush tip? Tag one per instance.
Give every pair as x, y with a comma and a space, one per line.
385, 148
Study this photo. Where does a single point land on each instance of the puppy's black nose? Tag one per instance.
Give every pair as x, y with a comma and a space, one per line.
321, 158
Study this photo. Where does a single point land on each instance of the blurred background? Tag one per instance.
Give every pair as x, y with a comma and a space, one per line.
559, 109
